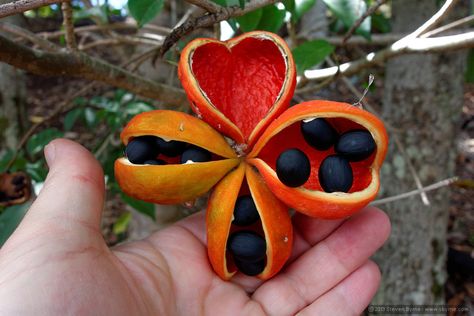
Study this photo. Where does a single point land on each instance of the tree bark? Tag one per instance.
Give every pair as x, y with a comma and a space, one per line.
12, 99
423, 99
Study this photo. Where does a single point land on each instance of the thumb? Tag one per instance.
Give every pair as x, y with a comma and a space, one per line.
73, 193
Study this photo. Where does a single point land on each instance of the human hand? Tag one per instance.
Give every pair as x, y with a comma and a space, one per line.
57, 263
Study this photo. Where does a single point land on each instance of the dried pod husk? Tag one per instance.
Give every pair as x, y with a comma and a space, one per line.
310, 198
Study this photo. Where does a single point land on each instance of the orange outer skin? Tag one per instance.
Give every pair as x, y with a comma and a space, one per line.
201, 105
173, 183
170, 184
180, 126
276, 222
317, 203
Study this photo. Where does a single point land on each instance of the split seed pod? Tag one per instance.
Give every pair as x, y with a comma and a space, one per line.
241, 89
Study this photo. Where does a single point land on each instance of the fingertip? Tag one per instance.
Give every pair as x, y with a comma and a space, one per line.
381, 220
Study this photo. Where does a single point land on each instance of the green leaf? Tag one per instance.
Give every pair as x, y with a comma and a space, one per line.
381, 23
249, 21
348, 11
289, 5
141, 206
90, 117
311, 53
9, 220
37, 142
144, 10
272, 19
470, 67
121, 225
37, 170
71, 118
242, 4
301, 7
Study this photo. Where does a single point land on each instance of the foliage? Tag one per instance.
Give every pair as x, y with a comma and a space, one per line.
310, 54
10, 217
144, 10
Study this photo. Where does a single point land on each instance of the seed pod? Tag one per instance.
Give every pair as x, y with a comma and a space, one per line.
250, 268
247, 246
155, 162
293, 167
355, 145
195, 154
335, 174
245, 211
318, 133
141, 148
170, 148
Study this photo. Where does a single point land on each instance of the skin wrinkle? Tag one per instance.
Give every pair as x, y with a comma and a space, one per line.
127, 262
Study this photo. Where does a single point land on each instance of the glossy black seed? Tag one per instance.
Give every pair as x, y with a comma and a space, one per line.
195, 154
319, 134
355, 145
245, 211
171, 148
335, 174
250, 268
141, 149
155, 162
293, 167
247, 246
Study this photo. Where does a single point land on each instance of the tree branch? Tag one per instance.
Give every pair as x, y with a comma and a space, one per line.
209, 19
68, 25
434, 20
30, 36
415, 45
21, 6
206, 5
81, 65
359, 21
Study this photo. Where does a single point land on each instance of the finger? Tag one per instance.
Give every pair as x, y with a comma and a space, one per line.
73, 193
351, 296
309, 231
326, 264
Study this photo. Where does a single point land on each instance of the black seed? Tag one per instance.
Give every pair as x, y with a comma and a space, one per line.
172, 148
319, 134
141, 149
195, 154
355, 145
293, 167
18, 180
155, 162
250, 268
335, 174
247, 246
245, 211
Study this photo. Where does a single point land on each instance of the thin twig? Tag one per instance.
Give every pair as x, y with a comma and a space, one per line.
21, 6
30, 36
449, 26
434, 20
68, 25
118, 40
80, 65
209, 19
113, 26
405, 195
416, 45
362, 18
209, 6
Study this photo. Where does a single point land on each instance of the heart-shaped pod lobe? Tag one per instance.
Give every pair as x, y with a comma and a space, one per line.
241, 85
275, 222
310, 198
173, 183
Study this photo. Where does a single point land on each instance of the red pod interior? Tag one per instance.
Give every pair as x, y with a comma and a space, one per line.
291, 137
244, 81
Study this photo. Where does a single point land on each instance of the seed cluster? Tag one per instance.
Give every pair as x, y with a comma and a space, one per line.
248, 249
335, 172
144, 150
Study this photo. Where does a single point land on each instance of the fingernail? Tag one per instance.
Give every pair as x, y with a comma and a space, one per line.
50, 153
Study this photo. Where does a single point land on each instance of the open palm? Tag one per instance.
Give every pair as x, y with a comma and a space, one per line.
57, 263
